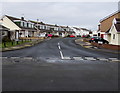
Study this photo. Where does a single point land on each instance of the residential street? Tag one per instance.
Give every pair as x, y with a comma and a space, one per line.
59, 65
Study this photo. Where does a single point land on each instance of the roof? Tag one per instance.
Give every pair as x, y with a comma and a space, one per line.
49, 25
64, 26
76, 28
117, 19
3, 28
117, 26
14, 18
110, 15
85, 29
37, 22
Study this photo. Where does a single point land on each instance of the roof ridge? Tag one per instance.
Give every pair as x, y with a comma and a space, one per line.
110, 15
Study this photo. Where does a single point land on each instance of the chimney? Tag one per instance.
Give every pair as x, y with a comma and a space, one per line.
22, 18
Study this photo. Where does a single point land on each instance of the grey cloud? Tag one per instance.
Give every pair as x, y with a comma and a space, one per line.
77, 13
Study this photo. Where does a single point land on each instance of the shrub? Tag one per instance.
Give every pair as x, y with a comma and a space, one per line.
6, 39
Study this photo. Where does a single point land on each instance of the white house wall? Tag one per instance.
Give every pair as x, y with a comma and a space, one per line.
116, 40
9, 24
118, 37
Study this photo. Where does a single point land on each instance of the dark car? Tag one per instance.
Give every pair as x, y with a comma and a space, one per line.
98, 40
92, 39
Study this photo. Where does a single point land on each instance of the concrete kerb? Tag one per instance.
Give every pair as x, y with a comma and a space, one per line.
30, 44
89, 46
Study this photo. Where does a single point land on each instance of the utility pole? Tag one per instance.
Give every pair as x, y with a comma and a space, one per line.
38, 32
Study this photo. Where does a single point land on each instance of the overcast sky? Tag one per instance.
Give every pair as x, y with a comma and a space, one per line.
81, 14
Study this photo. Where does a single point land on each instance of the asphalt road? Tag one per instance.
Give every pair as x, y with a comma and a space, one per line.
59, 65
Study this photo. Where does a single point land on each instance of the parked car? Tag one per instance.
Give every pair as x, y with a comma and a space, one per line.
50, 35
98, 40
92, 39
72, 36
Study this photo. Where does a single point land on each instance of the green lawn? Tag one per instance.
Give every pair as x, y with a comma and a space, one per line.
10, 44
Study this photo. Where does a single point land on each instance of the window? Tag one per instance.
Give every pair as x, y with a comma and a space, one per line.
17, 23
32, 25
22, 24
25, 24
113, 36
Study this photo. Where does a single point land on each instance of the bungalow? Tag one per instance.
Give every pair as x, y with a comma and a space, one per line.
18, 27
106, 23
113, 34
4, 32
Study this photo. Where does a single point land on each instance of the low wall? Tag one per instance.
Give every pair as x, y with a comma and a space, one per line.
31, 37
107, 46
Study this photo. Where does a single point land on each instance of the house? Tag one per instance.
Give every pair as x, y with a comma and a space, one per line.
77, 31
106, 23
94, 33
44, 29
19, 27
81, 31
113, 35
4, 31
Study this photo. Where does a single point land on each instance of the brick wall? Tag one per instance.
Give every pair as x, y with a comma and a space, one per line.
106, 46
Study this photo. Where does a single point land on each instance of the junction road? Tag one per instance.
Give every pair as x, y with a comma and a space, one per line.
59, 65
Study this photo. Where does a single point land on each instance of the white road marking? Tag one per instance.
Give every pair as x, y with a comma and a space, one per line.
27, 58
15, 57
61, 54
78, 58
90, 58
103, 59
67, 58
59, 47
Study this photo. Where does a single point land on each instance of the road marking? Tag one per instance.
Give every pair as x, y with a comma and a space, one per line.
61, 54
103, 59
113, 58
78, 58
15, 57
67, 58
27, 58
90, 58
59, 47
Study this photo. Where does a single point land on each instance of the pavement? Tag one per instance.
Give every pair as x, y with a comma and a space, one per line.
89, 46
24, 45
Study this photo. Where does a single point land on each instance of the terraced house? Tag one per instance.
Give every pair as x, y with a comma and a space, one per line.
19, 27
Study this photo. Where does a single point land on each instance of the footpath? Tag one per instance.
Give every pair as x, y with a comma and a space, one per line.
24, 45
89, 46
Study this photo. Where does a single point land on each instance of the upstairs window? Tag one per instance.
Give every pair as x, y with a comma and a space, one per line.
18, 23
113, 36
25, 24
22, 24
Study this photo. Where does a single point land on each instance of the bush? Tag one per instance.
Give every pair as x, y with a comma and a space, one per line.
6, 39
55, 36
